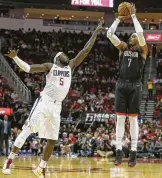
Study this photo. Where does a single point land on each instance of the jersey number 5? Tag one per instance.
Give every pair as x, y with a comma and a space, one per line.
61, 81
129, 61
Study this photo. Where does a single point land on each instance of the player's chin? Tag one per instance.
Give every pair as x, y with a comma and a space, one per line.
66, 63
130, 43
134, 44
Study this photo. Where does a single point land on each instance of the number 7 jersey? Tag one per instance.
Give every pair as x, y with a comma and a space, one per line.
131, 64
58, 82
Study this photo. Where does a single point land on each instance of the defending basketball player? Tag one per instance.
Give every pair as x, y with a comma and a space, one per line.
128, 92
44, 117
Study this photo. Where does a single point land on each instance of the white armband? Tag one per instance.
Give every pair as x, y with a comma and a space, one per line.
111, 33
114, 26
139, 30
23, 65
113, 38
141, 39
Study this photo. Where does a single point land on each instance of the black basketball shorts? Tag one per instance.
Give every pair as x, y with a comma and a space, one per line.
128, 97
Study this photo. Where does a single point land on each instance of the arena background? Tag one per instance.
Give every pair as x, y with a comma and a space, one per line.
42, 28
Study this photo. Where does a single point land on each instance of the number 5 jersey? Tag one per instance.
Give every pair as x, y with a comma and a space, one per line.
58, 82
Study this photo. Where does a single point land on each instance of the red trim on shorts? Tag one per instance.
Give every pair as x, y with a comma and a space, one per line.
121, 114
133, 114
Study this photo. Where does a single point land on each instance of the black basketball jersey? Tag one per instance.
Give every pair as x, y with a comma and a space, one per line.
131, 64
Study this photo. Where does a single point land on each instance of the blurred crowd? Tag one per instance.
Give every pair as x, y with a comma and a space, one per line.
7, 95
10, 99
17, 111
158, 88
98, 140
93, 82
92, 90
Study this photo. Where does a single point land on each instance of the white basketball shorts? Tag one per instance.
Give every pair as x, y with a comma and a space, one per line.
44, 118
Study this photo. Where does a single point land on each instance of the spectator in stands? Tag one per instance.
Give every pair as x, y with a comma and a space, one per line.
105, 149
65, 146
150, 88
35, 146
1, 130
5, 134
72, 141
126, 145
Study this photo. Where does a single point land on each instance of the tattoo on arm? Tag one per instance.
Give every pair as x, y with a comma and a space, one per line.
36, 68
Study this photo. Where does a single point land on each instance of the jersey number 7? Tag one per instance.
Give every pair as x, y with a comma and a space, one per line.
61, 81
129, 61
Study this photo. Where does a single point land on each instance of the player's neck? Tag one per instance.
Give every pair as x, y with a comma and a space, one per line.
134, 46
60, 65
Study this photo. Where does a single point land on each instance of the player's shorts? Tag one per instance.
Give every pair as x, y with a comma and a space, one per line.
44, 118
128, 97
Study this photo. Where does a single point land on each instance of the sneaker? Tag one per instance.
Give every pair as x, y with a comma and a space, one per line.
119, 156
132, 159
74, 156
7, 167
39, 172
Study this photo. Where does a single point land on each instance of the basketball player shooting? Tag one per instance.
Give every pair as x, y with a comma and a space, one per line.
44, 117
128, 90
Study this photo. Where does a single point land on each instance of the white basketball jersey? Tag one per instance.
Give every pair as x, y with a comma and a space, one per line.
58, 82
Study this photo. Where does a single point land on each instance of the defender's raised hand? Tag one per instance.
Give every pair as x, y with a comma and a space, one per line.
12, 53
87, 48
100, 26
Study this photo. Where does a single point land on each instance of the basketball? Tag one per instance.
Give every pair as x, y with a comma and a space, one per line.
123, 9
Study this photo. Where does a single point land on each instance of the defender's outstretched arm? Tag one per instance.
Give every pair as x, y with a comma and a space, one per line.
87, 48
26, 67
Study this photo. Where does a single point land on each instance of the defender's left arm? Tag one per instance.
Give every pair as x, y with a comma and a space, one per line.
87, 48
139, 31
